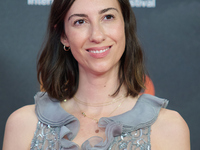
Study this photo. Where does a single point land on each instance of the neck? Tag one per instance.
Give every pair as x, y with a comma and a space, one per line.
97, 88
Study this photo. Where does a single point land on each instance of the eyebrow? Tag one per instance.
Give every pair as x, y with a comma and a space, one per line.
107, 9
100, 12
78, 15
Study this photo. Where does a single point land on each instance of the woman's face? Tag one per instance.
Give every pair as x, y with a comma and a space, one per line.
94, 29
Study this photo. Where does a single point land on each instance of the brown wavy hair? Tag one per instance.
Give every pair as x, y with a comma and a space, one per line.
57, 70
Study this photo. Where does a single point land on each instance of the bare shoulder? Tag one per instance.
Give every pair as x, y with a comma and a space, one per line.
20, 128
170, 131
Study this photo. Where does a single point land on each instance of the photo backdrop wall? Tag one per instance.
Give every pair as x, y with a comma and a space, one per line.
169, 31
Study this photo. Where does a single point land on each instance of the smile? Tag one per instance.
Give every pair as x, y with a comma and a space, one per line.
99, 51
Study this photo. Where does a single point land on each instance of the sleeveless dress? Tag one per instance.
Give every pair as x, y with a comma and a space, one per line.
128, 131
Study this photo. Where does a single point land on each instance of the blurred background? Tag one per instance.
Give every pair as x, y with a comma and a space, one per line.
169, 31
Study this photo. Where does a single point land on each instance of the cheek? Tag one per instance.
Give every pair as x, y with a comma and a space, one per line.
77, 38
117, 32
119, 35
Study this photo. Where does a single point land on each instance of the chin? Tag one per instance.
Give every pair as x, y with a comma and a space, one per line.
104, 69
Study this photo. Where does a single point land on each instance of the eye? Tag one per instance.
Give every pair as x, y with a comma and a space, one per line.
79, 22
109, 17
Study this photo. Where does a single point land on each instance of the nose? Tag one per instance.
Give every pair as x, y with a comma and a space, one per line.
97, 33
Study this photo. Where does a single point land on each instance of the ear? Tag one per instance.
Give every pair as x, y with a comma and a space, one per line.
64, 40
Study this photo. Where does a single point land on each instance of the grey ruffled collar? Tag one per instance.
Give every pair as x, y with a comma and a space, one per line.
143, 114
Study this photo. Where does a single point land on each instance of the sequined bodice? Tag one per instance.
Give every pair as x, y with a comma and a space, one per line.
128, 131
47, 137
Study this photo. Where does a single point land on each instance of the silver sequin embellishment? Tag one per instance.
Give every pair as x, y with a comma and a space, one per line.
136, 140
45, 138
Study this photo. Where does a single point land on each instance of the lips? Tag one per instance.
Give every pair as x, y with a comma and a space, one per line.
99, 52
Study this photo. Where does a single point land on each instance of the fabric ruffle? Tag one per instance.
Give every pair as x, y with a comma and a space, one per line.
112, 129
143, 114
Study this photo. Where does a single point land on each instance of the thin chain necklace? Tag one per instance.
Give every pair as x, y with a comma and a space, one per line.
98, 104
95, 119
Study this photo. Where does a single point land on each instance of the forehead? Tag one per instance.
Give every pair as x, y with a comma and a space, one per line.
92, 6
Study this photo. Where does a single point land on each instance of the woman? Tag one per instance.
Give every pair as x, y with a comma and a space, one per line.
91, 69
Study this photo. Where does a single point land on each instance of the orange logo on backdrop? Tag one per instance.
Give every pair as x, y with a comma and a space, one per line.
149, 87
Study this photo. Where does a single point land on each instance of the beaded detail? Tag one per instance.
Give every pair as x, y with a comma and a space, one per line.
45, 138
136, 140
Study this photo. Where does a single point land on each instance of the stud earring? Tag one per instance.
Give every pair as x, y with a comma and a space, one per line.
64, 47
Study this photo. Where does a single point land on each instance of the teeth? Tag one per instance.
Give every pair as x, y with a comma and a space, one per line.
100, 51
